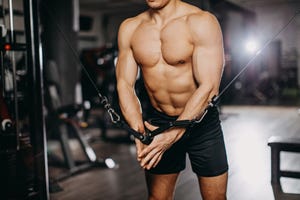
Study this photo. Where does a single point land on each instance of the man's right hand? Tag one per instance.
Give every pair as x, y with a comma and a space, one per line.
139, 147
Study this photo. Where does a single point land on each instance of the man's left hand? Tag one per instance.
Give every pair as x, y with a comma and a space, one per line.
152, 154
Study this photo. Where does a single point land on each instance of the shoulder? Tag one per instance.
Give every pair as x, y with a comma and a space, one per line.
204, 26
128, 27
198, 19
202, 19
130, 24
196, 15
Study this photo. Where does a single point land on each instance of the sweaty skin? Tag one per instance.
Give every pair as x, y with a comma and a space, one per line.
179, 50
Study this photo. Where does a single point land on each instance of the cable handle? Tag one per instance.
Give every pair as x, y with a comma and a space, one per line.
212, 103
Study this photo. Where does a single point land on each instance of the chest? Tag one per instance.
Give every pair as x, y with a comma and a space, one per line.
171, 44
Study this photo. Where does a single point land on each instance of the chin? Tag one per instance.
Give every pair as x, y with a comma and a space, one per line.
156, 4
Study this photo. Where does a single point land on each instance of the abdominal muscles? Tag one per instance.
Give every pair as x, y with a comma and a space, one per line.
169, 87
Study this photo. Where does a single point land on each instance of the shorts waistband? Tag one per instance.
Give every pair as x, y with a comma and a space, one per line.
156, 117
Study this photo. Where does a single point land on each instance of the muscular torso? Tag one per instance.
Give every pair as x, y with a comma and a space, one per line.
164, 54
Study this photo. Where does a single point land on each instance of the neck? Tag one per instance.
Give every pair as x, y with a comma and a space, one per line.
162, 15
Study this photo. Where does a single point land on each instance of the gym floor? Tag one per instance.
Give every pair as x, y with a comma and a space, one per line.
246, 131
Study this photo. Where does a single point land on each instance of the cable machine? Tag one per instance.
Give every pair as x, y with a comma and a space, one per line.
23, 172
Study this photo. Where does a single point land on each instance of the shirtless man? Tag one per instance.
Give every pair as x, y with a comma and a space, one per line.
179, 50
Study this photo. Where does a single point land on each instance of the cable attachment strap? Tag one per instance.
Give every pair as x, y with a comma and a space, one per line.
212, 103
178, 123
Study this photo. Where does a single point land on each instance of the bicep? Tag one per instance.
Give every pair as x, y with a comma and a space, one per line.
126, 69
208, 55
208, 64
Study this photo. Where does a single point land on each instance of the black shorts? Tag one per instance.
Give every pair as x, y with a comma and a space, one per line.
203, 143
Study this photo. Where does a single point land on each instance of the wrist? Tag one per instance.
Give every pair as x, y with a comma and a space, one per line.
138, 127
179, 131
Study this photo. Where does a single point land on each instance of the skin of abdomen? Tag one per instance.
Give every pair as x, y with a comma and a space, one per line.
165, 58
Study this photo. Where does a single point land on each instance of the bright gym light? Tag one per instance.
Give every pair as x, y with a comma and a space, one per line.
251, 46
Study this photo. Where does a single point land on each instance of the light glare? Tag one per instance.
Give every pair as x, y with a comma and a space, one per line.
251, 46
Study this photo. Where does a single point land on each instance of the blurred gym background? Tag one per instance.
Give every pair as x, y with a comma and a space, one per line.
55, 135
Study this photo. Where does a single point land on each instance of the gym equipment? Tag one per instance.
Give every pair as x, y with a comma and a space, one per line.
278, 144
22, 150
61, 121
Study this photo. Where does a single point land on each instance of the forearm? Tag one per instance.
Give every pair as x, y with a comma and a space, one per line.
130, 107
196, 105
